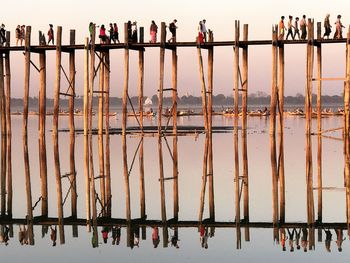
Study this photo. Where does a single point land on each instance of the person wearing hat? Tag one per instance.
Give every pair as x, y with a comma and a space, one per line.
338, 28
290, 28
327, 27
50, 35
172, 29
282, 28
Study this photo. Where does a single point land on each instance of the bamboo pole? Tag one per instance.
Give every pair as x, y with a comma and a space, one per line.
205, 116
3, 137
72, 127
210, 125
55, 135
175, 138
244, 127
236, 89
319, 125
160, 110
124, 123
42, 134
91, 159
100, 133
108, 157
141, 153
9, 127
274, 81
25, 135
86, 132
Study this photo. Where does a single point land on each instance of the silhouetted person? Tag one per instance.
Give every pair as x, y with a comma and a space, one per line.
53, 235
115, 33
304, 239
303, 26
340, 238
134, 32
153, 32
155, 237
327, 27
129, 31
50, 35
2, 35
172, 29
328, 240
104, 232
296, 28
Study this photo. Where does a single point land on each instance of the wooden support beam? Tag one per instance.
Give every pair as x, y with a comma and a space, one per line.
141, 74
319, 78
73, 177
273, 102
25, 135
347, 131
9, 127
124, 123
160, 110
86, 133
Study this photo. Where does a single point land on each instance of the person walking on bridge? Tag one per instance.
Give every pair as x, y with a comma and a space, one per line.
282, 29
290, 28
303, 26
327, 27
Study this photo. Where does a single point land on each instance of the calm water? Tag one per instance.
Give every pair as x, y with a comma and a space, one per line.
221, 245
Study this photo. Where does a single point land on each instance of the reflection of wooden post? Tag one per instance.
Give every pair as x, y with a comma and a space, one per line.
25, 134
210, 125
238, 237
42, 134
175, 154
274, 179
141, 159
125, 97
9, 127
108, 158
86, 132
100, 133
3, 137
165, 236
160, 110
55, 134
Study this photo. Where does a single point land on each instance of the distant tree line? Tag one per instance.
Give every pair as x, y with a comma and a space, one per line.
259, 98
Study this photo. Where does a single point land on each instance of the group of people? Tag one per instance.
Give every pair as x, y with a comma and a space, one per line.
104, 38
294, 27
300, 237
20, 34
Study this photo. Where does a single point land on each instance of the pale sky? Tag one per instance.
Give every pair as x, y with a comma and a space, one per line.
220, 16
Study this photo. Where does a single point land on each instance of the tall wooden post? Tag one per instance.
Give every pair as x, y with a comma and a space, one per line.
160, 111
100, 133
42, 134
244, 126
141, 153
108, 157
175, 138
91, 159
210, 127
25, 134
8, 126
280, 131
124, 122
3, 137
86, 133
319, 125
55, 134
236, 101
274, 82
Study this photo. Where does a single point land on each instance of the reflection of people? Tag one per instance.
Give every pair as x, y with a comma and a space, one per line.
283, 238
328, 240
155, 237
340, 238
304, 239
115, 235
205, 239
291, 239
137, 237
53, 235
104, 232
297, 238
4, 237
175, 239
